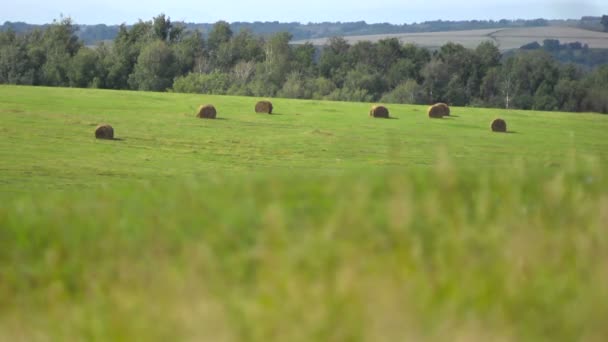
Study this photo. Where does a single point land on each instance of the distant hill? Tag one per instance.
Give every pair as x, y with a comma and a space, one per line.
505, 38
92, 34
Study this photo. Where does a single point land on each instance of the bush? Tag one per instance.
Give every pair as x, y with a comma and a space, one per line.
295, 87
348, 94
214, 83
322, 87
406, 92
366, 79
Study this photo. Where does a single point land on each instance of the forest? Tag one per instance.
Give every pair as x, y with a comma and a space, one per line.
160, 55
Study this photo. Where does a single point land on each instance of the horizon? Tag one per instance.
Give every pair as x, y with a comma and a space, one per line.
76, 22
115, 12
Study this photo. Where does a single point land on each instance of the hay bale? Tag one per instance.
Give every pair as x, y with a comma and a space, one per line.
444, 107
206, 112
263, 107
379, 112
104, 131
438, 110
499, 125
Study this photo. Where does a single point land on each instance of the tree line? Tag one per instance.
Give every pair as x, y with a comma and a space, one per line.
93, 34
159, 55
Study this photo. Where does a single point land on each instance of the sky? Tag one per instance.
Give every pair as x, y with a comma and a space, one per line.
371, 11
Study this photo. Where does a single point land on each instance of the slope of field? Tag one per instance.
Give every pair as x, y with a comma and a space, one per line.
505, 39
317, 223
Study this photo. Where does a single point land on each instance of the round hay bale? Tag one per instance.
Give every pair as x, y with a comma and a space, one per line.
206, 112
444, 107
263, 107
499, 125
104, 131
438, 110
379, 112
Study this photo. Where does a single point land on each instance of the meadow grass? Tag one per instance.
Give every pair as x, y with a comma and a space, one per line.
47, 140
315, 224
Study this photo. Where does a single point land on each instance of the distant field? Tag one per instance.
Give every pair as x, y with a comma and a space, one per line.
506, 39
316, 223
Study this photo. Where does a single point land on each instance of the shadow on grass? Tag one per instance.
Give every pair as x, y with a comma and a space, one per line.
110, 139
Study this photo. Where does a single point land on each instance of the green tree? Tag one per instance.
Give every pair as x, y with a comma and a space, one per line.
261, 84
333, 63
165, 30
456, 94
36, 54
604, 22
322, 87
436, 77
84, 69
213, 83
59, 44
364, 53
294, 87
304, 59
464, 68
247, 47
419, 57
491, 88
388, 51
365, 78
243, 71
488, 56
220, 34
406, 92
188, 51
570, 95
544, 97
155, 68
402, 70
596, 83
220, 49
278, 58
523, 75
162, 26
125, 51
350, 95
224, 57
457, 59
15, 66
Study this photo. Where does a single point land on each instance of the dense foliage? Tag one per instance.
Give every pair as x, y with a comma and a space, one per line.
159, 55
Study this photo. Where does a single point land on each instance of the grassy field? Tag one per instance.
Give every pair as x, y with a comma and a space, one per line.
505, 39
317, 223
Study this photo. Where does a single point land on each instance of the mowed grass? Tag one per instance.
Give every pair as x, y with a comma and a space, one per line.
47, 137
314, 224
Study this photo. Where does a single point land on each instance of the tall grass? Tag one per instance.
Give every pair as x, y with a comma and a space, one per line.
446, 253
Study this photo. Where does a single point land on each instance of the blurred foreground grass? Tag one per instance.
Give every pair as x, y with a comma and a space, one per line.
515, 254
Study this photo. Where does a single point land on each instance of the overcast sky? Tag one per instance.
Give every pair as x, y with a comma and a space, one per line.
372, 11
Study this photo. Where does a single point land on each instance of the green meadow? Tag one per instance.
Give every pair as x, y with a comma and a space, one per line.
315, 223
